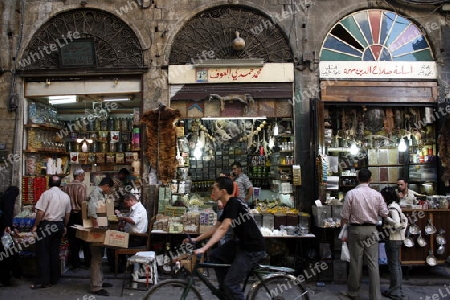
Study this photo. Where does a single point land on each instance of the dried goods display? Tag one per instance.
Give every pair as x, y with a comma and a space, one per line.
161, 141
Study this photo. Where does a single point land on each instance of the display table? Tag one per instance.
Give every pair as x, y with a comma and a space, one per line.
416, 255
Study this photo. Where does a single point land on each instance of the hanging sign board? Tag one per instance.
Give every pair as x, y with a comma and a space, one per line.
78, 53
270, 72
378, 69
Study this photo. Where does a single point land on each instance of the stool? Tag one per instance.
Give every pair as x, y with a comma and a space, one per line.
144, 271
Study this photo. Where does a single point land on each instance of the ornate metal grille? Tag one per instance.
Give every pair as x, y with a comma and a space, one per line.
214, 30
116, 45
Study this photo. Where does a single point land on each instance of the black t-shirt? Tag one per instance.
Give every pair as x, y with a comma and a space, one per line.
244, 225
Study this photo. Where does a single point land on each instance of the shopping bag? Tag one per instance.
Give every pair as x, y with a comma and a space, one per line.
343, 233
345, 254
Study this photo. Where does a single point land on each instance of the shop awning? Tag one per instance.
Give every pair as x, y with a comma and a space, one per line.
256, 90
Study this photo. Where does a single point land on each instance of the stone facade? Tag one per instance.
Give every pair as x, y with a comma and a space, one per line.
156, 23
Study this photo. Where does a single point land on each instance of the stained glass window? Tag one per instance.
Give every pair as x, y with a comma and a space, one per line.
375, 35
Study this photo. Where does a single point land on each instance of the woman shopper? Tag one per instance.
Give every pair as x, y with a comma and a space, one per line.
395, 225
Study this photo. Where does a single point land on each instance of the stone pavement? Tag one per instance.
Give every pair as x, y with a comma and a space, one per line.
424, 283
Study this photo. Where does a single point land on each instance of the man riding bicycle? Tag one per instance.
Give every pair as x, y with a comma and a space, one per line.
247, 247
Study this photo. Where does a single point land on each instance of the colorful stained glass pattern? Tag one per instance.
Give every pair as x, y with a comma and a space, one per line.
375, 35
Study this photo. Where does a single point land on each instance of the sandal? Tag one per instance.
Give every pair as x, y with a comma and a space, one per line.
39, 286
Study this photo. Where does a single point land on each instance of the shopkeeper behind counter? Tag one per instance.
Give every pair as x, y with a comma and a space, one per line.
407, 196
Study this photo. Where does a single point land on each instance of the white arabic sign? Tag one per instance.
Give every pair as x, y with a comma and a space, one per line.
378, 69
270, 72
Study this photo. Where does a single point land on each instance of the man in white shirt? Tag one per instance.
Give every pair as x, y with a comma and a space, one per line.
136, 225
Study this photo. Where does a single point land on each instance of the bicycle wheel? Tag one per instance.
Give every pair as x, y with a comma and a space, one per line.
172, 289
278, 287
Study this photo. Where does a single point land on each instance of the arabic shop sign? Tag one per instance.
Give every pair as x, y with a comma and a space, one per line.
270, 72
378, 69
78, 53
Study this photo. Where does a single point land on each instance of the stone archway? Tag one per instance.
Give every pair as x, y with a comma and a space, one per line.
115, 43
214, 30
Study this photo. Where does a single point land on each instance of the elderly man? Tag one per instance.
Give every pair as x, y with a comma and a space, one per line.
52, 216
135, 224
77, 193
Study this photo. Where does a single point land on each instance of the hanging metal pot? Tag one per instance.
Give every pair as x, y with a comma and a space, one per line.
440, 238
408, 241
431, 260
413, 228
430, 229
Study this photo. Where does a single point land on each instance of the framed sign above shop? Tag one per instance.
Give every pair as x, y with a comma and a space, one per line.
78, 53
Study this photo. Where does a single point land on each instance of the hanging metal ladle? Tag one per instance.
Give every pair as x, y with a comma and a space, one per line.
440, 239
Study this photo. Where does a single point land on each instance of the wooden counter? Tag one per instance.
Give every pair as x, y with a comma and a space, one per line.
417, 255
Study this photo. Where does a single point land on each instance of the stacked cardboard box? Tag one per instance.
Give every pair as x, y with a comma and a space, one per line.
101, 235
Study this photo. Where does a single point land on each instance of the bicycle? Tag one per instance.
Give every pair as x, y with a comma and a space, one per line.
276, 283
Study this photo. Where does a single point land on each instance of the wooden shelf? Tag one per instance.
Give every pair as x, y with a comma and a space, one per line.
30, 150
43, 126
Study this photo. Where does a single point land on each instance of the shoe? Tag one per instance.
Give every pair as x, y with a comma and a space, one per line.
345, 295
39, 286
101, 292
107, 284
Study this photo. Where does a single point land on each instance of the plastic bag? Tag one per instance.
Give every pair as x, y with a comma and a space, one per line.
345, 253
7, 240
343, 233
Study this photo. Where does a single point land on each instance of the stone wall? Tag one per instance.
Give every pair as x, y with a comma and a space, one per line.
305, 23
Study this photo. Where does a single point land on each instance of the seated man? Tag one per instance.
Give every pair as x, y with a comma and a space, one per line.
246, 249
136, 223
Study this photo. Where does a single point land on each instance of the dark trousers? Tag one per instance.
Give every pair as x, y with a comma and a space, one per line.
231, 279
48, 242
134, 242
76, 244
9, 265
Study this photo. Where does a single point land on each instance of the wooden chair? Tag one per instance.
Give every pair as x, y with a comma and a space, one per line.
134, 250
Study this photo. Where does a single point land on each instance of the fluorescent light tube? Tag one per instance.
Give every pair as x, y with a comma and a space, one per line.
114, 99
62, 99
234, 118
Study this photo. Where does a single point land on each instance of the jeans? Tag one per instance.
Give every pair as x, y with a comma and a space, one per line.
231, 279
395, 268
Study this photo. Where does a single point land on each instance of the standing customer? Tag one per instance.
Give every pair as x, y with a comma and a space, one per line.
77, 193
362, 207
8, 264
396, 224
245, 186
98, 195
52, 216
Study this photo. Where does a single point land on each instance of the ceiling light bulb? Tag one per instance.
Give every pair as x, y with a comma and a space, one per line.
354, 149
402, 146
197, 152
